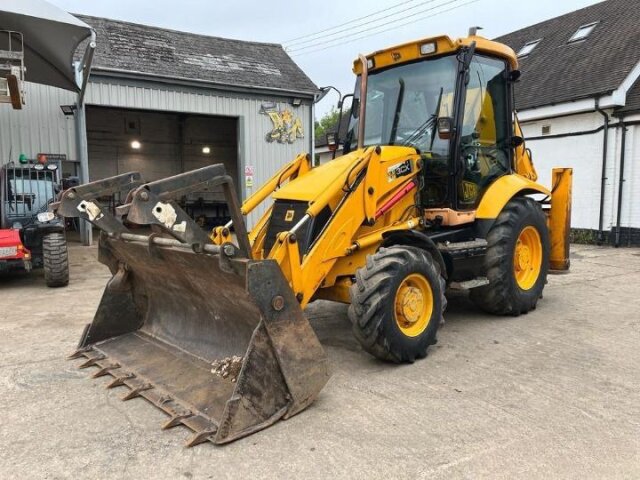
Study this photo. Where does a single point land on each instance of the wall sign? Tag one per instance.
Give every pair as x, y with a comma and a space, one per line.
62, 157
248, 175
286, 127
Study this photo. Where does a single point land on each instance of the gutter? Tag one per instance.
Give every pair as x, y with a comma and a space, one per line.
576, 106
128, 74
582, 132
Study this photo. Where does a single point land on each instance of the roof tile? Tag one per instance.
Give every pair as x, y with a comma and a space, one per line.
557, 71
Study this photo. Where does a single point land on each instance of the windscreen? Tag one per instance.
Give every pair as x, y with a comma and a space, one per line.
28, 192
403, 104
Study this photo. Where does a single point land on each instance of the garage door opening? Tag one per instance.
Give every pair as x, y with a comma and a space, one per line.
159, 145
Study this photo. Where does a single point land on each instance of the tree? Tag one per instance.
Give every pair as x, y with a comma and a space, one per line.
328, 123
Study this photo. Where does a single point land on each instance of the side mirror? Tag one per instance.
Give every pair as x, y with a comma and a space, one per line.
516, 141
445, 127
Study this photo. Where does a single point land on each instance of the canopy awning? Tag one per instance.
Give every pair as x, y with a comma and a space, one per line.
51, 37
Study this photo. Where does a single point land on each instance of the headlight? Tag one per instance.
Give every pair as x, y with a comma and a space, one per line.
45, 217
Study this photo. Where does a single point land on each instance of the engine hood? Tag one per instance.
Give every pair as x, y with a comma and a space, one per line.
309, 186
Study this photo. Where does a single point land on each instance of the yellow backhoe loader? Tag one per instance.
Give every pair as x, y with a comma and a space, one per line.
435, 189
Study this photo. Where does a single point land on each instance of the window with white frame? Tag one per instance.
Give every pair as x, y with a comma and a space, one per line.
528, 48
583, 32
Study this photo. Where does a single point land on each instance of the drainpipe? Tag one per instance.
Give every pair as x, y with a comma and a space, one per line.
603, 177
621, 179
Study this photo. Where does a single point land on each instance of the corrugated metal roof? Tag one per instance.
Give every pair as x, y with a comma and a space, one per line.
557, 71
143, 49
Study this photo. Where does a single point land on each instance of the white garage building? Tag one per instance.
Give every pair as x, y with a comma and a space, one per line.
579, 104
162, 102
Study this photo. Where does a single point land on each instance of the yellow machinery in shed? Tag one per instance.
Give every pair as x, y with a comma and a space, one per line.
435, 189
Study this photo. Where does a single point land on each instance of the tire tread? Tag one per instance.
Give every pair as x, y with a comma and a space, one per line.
371, 293
56, 260
499, 296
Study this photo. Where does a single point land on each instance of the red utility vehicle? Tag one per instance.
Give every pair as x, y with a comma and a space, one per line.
13, 254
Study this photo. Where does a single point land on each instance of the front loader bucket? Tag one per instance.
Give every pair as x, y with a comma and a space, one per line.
216, 340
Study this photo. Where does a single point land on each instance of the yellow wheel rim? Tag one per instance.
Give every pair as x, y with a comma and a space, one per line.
413, 305
527, 258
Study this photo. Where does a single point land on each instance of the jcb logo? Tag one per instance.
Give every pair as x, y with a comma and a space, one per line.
288, 217
469, 191
399, 170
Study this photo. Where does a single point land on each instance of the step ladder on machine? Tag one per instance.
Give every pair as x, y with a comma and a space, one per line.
12, 68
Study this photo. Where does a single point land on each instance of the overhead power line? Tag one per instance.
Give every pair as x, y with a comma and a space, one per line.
369, 28
307, 35
376, 30
362, 23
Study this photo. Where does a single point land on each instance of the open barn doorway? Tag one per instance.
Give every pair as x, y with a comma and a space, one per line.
162, 144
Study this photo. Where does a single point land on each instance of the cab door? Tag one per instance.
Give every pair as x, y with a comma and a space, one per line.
484, 153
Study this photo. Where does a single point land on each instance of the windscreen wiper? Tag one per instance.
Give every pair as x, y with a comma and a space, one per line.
420, 130
429, 122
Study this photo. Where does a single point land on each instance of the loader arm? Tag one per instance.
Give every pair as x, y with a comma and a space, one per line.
298, 167
358, 202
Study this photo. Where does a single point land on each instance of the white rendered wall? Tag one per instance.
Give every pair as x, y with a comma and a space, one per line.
584, 154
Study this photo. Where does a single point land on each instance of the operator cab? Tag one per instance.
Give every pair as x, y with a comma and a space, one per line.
451, 101
27, 190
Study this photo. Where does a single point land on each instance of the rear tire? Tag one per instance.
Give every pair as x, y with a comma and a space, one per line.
56, 260
511, 290
376, 311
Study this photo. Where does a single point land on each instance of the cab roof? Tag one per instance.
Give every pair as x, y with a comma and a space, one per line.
410, 51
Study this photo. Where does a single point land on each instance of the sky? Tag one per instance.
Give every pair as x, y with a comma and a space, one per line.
327, 56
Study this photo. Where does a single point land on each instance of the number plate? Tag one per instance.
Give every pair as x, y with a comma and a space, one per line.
8, 252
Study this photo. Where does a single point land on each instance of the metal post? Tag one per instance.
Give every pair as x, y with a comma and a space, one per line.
313, 133
83, 154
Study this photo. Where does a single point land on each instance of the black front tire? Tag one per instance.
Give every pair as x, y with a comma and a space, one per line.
56, 260
503, 295
372, 309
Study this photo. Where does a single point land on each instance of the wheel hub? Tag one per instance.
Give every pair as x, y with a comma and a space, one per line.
413, 305
523, 257
527, 258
